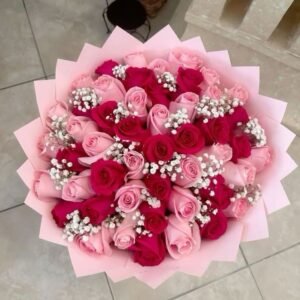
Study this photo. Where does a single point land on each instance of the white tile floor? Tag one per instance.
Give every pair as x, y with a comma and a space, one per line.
33, 33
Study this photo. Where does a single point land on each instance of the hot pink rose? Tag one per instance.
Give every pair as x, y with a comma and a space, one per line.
83, 81
239, 174
220, 151
95, 144
157, 117
60, 109
183, 204
44, 187
186, 100
129, 195
134, 162
78, 127
159, 66
125, 234
137, 60
213, 92
181, 238
185, 57
210, 76
109, 88
259, 158
135, 101
238, 91
78, 188
190, 171
237, 209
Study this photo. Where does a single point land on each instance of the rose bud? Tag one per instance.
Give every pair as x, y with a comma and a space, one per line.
44, 187
189, 80
183, 204
159, 66
239, 115
129, 195
134, 161
239, 92
60, 109
181, 239
241, 147
79, 126
157, 117
137, 60
210, 76
106, 68
213, 92
237, 209
78, 187
220, 151
135, 101
215, 228
47, 146
83, 81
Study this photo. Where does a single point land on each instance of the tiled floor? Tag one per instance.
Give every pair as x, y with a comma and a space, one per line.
33, 34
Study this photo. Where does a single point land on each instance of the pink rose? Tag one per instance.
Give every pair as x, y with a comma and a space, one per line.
78, 127
220, 151
129, 195
238, 91
78, 188
98, 243
210, 76
213, 92
181, 238
159, 66
188, 101
157, 117
48, 146
237, 209
125, 234
137, 60
183, 204
95, 144
43, 186
82, 81
239, 174
190, 171
134, 161
185, 57
259, 158
109, 88
135, 101
60, 109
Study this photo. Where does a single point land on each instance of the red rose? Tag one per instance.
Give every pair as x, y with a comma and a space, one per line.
159, 95
72, 155
97, 208
106, 68
103, 115
188, 80
131, 129
241, 147
159, 187
149, 251
158, 147
216, 130
188, 139
141, 77
155, 220
239, 115
61, 209
215, 228
107, 176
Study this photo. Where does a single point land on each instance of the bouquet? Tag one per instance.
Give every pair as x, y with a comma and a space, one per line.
153, 158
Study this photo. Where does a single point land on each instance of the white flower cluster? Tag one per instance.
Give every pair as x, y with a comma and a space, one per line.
115, 220
119, 71
140, 222
120, 112
250, 192
167, 80
84, 98
152, 201
60, 172
205, 212
253, 128
175, 120
78, 227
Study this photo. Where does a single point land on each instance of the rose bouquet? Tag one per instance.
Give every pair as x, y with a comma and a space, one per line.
152, 158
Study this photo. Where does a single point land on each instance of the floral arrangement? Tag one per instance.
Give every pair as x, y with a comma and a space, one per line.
149, 158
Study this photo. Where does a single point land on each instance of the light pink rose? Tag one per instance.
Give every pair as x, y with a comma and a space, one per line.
60, 109
134, 161
98, 243
109, 88
259, 158
125, 234
83, 81
157, 117
213, 92
78, 127
129, 195
183, 204
190, 171
78, 187
43, 186
220, 151
48, 146
238, 91
184, 57
181, 239
137, 60
239, 174
159, 66
188, 101
237, 209
95, 144
135, 101
210, 76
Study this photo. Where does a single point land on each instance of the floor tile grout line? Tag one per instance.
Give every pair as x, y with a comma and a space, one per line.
109, 286
12, 207
244, 256
20, 83
34, 39
256, 284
